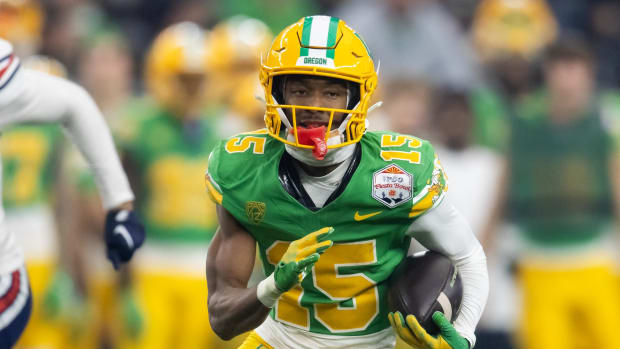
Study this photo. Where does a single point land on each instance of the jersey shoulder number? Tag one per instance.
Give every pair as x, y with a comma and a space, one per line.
235, 159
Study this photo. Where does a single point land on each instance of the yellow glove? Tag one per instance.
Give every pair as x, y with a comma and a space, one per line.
413, 334
294, 265
300, 257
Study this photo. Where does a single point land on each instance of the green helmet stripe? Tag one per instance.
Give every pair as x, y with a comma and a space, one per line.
364, 43
331, 36
305, 36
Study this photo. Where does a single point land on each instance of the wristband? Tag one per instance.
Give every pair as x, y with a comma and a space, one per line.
267, 292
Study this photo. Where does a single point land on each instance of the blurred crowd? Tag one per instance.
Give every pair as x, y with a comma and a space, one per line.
518, 96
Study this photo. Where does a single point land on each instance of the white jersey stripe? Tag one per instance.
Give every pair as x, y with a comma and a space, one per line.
8, 67
4, 61
20, 301
5, 284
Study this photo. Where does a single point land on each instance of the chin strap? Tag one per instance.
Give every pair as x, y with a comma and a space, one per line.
374, 106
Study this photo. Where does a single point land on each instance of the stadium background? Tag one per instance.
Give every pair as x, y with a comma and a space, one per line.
518, 96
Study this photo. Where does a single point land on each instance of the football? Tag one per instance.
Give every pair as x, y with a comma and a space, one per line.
423, 284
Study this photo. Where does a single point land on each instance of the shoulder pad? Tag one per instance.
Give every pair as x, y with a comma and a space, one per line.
235, 159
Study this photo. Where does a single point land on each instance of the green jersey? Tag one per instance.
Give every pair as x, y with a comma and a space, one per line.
391, 181
168, 154
28, 164
560, 192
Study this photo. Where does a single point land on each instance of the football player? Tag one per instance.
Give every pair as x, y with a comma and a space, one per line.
332, 208
167, 141
563, 195
31, 96
112, 314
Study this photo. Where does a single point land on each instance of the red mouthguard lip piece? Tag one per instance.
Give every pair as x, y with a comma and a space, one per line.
313, 136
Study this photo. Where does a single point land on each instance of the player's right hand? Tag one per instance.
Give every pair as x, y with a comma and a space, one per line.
410, 331
124, 233
300, 257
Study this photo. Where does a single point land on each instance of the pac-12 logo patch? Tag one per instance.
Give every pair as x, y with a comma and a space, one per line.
392, 186
255, 211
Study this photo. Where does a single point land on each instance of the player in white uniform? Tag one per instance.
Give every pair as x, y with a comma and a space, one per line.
28, 96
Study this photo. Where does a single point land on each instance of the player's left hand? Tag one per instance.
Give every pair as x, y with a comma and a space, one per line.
64, 303
133, 318
124, 233
413, 334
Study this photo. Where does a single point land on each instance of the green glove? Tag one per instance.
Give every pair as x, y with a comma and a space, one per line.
63, 303
413, 334
132, 315
58, 296
448, 332
300, 257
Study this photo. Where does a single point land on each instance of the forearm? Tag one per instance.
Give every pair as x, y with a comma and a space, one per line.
233, 311
233, 307
443, 229
473, 270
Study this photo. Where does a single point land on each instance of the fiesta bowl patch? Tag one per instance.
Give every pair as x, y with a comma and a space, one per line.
392, 186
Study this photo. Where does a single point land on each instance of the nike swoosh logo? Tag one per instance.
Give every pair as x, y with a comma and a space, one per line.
360, 217
124, 233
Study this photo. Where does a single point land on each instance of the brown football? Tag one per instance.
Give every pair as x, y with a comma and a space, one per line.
423, 284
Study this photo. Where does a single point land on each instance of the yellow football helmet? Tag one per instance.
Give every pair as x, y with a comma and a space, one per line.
236, 47
177, 65
520, 27
46, 65
21, 22
238, 42
320, 46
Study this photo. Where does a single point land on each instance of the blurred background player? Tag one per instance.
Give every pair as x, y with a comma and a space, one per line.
509, 37
113, 318
167, 140
563, 177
